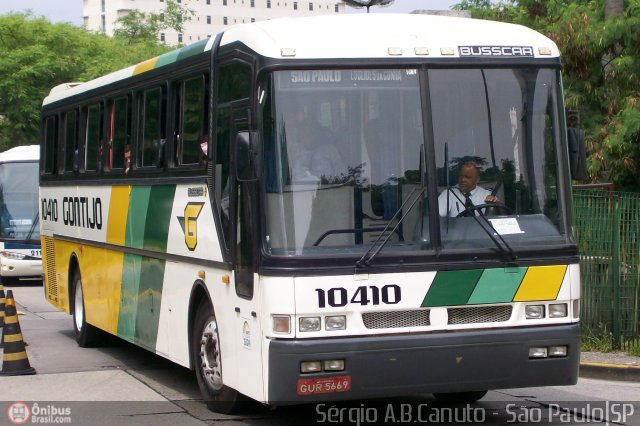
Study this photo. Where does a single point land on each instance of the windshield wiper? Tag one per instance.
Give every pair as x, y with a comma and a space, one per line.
34, 222
506, 250
368, 257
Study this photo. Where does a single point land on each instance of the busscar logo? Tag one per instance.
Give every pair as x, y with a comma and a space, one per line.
189, 224
475, 51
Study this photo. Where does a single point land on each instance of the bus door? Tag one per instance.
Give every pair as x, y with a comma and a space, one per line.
243, 249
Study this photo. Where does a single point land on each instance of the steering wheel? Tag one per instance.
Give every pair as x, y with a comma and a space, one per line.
497, 205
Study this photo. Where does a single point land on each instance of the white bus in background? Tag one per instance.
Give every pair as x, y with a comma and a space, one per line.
20, 253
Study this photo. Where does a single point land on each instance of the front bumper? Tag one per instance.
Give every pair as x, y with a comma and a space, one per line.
403, 365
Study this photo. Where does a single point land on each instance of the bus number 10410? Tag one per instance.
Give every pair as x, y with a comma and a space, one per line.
336, 297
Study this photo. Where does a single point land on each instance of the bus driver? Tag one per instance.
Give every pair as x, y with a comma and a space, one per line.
466, 194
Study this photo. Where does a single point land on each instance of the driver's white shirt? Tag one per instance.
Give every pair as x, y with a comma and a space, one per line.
456, 200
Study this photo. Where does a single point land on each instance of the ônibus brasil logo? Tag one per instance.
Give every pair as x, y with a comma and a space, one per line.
19, 413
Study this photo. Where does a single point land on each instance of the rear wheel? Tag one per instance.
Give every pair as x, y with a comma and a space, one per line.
205, 350
460, 397
86, 334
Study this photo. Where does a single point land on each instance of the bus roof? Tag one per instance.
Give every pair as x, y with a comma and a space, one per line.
21, 153
356, 36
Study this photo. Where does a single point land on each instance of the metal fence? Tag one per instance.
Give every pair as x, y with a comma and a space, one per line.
607, 227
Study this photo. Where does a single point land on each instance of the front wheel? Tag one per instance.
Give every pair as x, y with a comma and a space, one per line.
205, 350
86, 335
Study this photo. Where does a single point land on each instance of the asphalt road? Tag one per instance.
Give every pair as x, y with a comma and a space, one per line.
122, 384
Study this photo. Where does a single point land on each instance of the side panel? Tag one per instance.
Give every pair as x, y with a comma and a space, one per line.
123, 238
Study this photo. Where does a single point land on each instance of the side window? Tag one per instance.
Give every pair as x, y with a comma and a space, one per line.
70, 141
234, 84
50, 144
119, 132
192, 134
93, 135
151, 146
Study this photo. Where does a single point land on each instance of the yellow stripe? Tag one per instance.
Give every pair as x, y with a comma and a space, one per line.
145, 66
15, 357
12, 338
541, 283
118, 209
11, 320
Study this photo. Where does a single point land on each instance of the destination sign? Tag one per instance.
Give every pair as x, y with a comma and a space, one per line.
347, 78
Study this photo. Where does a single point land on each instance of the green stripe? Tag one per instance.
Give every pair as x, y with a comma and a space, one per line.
158, 215
167, 58
137, 218
192, 49
497, 285
129, 296
450, 288
149, 301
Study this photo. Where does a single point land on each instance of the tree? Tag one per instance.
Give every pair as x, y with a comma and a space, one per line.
606, 93
38, 55
359, 4
140, 27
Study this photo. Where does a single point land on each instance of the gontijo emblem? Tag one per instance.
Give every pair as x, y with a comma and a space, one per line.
189, 224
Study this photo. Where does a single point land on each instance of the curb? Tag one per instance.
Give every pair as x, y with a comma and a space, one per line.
604, 371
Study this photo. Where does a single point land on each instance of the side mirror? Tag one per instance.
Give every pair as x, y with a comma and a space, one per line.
577, 153
246, 156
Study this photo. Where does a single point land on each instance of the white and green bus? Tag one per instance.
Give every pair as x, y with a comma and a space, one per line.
263, 207
20, 253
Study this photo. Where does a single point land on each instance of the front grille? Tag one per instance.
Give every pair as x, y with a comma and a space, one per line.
396, 319
479, 314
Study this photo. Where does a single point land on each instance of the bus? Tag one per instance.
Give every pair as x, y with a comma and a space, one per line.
20, 253
263, 208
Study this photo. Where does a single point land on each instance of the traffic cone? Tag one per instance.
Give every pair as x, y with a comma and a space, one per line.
14, 360
2, 302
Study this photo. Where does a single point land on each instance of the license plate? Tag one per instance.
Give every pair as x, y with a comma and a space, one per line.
324, 385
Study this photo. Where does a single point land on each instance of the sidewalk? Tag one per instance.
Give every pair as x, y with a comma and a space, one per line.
610, 366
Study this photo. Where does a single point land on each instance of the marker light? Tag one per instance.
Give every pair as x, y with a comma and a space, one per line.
534, 311
282, 324
335, 323
558, 310
576, 308
309, 324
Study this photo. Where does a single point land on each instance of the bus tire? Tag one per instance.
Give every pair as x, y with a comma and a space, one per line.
460, 397
205, 351
86, 335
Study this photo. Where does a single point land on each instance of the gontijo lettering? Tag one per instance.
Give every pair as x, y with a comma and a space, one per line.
83, 212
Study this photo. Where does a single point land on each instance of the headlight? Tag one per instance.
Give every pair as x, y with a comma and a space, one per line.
534, 311
309, 324
335, 323
12, 255
558, 310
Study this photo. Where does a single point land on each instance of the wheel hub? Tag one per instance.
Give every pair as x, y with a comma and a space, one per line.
210, 356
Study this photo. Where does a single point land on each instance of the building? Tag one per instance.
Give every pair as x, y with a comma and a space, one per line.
210, 17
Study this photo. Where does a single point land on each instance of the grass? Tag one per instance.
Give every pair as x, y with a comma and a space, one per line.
597, 339
600, 339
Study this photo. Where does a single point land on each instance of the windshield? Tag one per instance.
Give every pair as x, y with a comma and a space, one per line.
343, 154
496, 136
19, 201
